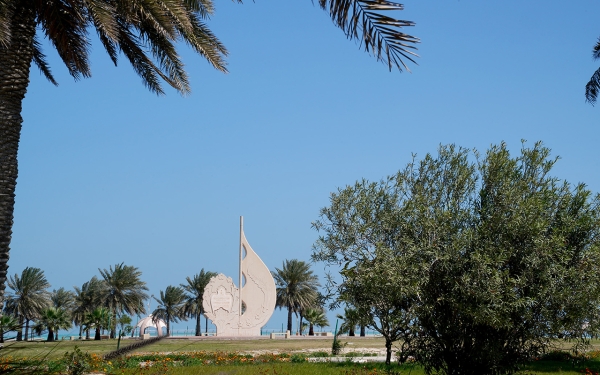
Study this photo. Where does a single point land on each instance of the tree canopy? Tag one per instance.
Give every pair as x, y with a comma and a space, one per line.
484, 259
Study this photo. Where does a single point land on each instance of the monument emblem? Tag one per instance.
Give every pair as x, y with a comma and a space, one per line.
241, 311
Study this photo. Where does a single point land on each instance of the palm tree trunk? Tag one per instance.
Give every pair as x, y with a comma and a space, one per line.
289, 325
362, 331
50, 335
206, 325
26, 329
311, 329
168, 325
97, 336
15, 61
1, 336
87, 334
198, 326
20, 331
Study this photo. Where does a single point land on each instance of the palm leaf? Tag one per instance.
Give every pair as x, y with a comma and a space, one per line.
40, 60
380, 35
593, 86
64, 23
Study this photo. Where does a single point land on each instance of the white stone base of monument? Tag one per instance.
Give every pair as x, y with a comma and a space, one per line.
146, 336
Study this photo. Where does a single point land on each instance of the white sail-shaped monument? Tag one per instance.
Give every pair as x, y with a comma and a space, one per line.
242, 312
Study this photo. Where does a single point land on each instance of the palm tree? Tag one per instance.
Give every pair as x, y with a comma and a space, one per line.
98, 319
29, 296
123, 292
87, 298
63, 299
171, 306
315, 317
296, 287
134, 27
8, 323
195, 293
53, 319
351, 319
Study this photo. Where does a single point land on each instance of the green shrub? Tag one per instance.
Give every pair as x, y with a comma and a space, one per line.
77, 362
299, 357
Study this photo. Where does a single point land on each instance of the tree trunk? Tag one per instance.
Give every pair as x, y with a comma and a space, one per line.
50, 335
198, 325
351, 331
206, 326
168, 325
300, 327
113, 325
87, 334
97, 336
289, 322
311, 329
1, 336
80, 331
15, 61
388, 351
56, 335
362, 331
20, 331
26, 329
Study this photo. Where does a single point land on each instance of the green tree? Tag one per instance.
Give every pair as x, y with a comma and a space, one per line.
171, 306
124, 322
315, 317
8, 323
87, 298
53, 319
195, 292
124, 292
296, 287
491, 256
29, 297
146, 32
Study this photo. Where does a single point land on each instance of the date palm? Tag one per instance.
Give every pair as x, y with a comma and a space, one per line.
195, 292
145, 32
296, 287
124, 292
29, 296
171, 306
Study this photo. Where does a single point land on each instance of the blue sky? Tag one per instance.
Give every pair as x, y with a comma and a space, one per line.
111, 173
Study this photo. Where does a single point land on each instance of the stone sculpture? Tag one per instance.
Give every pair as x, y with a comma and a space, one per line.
245, 312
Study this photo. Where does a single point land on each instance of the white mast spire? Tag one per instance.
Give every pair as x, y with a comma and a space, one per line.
241, 257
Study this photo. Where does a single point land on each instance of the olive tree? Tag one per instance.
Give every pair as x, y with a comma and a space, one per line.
490, 256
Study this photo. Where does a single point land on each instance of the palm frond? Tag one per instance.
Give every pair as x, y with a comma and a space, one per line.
380, 35
142, 64
64, 23
103, 16
592, 88
40, 60
165, 54
205, 43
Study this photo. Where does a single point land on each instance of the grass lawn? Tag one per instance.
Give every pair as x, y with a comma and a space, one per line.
36, 349
243, 356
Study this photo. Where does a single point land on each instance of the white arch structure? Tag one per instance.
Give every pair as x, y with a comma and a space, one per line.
149, 322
